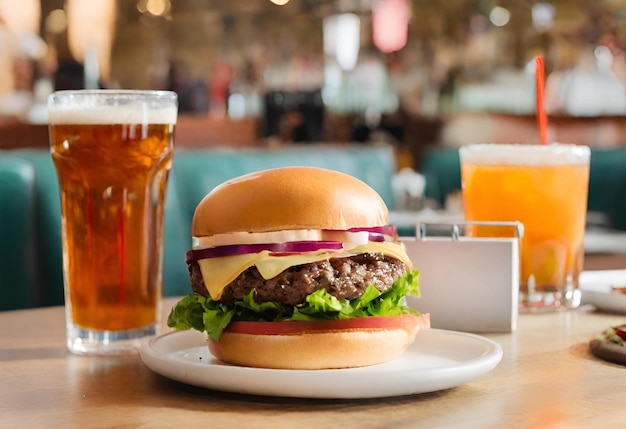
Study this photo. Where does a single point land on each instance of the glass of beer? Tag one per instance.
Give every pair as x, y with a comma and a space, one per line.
112, 151
545, 188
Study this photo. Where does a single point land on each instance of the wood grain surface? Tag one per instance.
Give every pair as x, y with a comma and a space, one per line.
547, 379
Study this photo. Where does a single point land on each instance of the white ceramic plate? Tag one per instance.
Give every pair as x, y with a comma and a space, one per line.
597, 289
437, 360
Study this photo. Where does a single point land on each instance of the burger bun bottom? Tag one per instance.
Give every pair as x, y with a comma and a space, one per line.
315, 350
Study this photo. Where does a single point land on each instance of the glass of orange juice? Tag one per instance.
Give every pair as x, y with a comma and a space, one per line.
545, 188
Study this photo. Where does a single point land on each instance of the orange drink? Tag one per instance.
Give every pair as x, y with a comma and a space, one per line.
545, 188
112, 151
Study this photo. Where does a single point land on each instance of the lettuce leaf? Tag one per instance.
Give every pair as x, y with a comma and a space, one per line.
203, 314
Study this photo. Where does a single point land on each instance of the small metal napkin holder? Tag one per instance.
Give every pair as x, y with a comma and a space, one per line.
467, 283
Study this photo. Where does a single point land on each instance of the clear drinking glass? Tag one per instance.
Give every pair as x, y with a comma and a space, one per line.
112, 151
545, 188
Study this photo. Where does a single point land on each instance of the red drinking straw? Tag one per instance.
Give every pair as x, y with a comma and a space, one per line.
542, 118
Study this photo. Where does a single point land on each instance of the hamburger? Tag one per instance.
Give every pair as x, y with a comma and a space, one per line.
298, 268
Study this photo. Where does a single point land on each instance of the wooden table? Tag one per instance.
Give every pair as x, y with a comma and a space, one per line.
547, 378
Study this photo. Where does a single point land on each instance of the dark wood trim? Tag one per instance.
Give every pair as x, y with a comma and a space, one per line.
191, 131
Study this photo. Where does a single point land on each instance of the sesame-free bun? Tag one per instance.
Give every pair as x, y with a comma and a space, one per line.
317, 350
289, 198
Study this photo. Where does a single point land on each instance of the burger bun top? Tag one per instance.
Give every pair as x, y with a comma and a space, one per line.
289, 198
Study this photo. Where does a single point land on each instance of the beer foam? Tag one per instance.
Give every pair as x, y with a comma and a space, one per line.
92, 109
520, 154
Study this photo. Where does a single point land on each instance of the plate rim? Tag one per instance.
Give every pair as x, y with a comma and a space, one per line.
595, 288
160, 360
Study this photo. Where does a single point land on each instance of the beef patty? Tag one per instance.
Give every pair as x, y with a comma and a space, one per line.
346, 277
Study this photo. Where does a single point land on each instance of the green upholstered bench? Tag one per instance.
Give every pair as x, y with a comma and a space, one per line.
607, 185
30, 236
18, 285
607, 180
441, 168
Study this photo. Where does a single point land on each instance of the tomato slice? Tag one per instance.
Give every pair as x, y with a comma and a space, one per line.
357, 323
620, 331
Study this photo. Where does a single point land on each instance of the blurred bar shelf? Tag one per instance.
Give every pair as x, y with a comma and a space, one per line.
191, 131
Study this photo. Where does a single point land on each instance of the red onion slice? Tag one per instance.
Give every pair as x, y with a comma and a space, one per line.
282, 248
375, 233
377, 237
378, 234
389, 230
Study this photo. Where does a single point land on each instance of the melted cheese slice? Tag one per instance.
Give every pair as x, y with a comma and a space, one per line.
218, 272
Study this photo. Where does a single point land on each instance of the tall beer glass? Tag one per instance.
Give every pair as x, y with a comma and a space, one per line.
112, 151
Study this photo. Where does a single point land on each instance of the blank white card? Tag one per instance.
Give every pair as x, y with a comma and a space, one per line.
467, 284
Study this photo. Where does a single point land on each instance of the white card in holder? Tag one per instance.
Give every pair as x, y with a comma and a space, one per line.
467, 283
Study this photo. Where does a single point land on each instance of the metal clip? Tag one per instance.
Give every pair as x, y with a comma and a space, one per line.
455, 227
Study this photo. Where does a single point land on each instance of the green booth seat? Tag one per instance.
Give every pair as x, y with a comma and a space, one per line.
607, 185
47, 231
18, 279
441, 169
37, 269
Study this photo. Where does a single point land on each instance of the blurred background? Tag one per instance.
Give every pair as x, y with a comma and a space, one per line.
411, 73
385, 90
